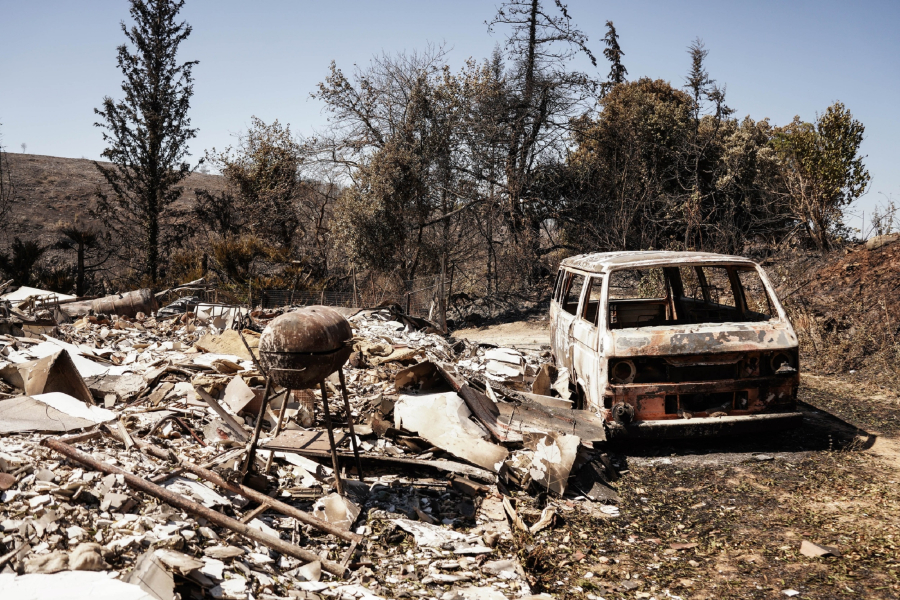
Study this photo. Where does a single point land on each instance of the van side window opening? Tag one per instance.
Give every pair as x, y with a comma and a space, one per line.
560, 277
759, 305
592, 300
573, 293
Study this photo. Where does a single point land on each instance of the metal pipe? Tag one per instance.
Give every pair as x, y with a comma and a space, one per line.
128, 304
198, 510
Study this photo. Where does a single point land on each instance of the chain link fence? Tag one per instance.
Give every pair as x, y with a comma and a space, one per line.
421, 300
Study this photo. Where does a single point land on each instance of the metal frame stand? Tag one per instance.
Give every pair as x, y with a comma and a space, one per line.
273, 375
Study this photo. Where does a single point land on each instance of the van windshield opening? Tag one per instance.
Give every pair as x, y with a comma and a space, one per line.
687, 295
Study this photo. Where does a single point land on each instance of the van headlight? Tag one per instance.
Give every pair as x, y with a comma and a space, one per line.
622, 371
782, 363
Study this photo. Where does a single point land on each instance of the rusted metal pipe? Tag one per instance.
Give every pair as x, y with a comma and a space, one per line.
198, 510
128, 304
266, 502
272, 503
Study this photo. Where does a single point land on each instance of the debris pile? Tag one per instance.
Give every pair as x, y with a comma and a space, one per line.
146, 456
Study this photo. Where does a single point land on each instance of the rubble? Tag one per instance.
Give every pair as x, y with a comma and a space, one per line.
160, 488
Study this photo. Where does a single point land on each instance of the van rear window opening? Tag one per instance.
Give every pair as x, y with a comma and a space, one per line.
686, 295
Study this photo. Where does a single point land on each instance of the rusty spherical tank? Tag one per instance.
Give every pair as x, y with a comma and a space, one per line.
313, 342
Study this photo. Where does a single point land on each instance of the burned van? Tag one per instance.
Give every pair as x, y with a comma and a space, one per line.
675, 344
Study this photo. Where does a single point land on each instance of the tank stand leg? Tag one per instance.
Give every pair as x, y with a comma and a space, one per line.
334, 457
284, 406
359, 471
251, 452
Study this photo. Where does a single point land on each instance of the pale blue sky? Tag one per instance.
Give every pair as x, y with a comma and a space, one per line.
263, 58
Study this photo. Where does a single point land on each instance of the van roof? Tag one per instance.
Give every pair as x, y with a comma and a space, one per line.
604, 261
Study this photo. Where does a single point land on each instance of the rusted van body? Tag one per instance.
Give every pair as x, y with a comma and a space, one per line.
675, 344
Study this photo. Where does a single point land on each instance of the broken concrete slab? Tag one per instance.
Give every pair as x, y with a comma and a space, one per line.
237, 395
49, 412
229, 343
222, 552
125, 387
53, 373
505, 355
502, 371
311, 571
178, 562
152, 577
71, 585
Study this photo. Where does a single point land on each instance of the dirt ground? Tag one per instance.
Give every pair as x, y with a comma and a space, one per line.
529, 334
726, 518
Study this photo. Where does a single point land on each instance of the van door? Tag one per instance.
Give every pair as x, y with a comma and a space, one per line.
568, 309
585, 338
555, 300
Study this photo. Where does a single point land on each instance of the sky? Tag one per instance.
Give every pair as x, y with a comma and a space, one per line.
777, 59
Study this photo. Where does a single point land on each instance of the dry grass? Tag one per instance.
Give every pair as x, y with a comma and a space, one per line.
843, 306
49, 189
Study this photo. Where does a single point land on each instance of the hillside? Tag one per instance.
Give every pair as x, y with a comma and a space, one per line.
49, 189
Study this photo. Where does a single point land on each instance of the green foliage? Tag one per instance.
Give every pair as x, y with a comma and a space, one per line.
21, 263
655, 169
92, 247
237, 257
823, 169
614, 54
147, 134
264, 184
268, 217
